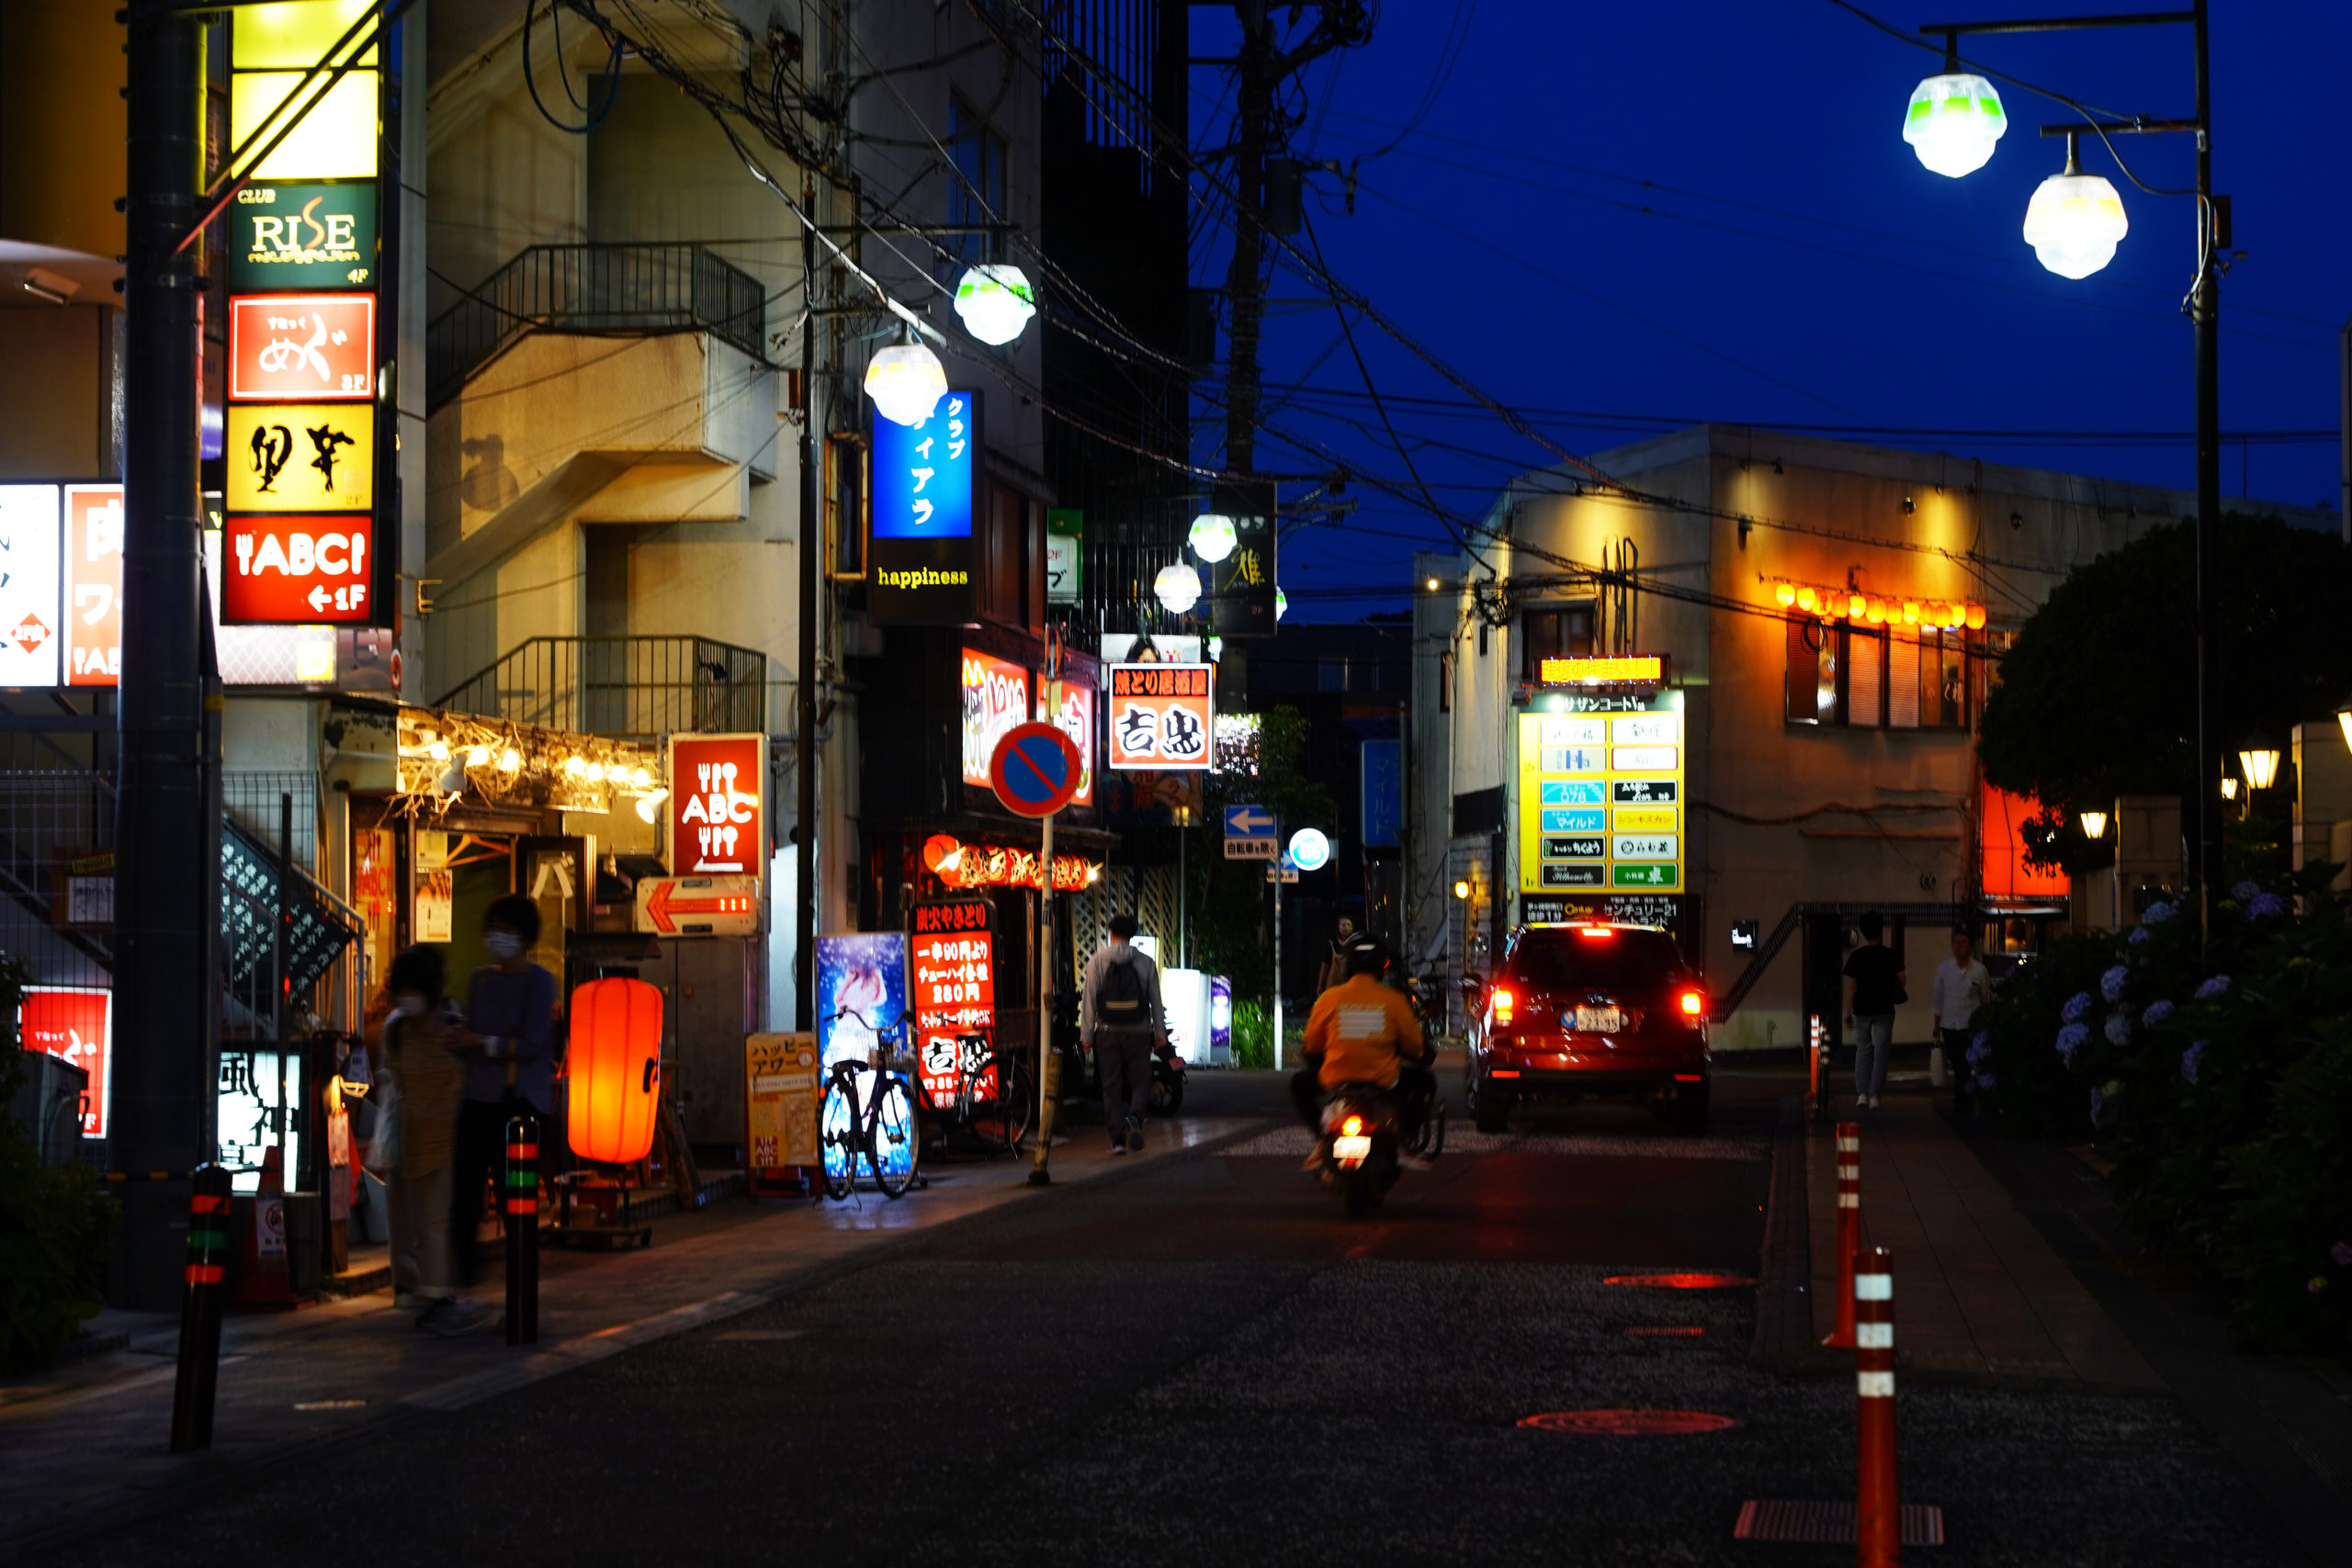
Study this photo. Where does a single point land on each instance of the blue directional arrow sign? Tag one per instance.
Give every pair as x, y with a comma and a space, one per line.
1249, 822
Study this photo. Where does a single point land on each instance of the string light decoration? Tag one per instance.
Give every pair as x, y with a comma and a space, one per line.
1874, 609
446, 757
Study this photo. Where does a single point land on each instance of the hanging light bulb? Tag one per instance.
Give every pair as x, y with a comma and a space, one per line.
593, 772
995, 302
1178, 588
1953, 121
906, 382
1281, 603
477, 756
510, 760
2075, 220
1212, 537
647, 808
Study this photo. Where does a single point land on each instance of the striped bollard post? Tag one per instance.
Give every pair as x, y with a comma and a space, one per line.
1850, 1228
1817, 1048
1878, 1505
206, 1282
522, 1222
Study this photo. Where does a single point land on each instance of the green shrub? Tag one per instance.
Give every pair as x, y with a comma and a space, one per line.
1253, 1035
53, 1226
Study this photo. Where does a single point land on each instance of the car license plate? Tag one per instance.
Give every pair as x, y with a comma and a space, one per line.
1599, 1020
1351, 1150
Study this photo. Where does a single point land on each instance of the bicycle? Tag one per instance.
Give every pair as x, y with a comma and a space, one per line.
882, 1128
995, 1094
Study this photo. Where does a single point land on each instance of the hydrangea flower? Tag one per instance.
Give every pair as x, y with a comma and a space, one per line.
1979, 1052
2110, 985
2246, 890
2119, 1029
2139, 934
2070, 1040
2342, 1253
2265, 905
2099, 1105
2189, 1060
2158, 912
1985, 1082
2077, 1005
2218, 986
2158, 1011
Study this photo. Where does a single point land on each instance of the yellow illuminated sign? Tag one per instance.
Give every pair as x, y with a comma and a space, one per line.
1602, 670
293, 33
1601, 803
335, 136
300, 456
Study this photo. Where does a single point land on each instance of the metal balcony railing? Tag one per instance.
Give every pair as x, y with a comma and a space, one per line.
630, 688
592, 288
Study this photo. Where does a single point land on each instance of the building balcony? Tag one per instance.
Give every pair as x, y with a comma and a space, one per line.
627, 688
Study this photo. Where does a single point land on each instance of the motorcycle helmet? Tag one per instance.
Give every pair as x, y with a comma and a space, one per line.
1366, 954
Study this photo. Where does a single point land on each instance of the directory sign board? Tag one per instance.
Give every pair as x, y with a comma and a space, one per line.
924, 483
305, 235
301, 345
296, 570
300, 456
1601, 801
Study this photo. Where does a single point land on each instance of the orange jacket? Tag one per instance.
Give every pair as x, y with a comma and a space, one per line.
1363, 1031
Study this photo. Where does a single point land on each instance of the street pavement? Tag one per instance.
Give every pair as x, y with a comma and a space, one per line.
1189, 1357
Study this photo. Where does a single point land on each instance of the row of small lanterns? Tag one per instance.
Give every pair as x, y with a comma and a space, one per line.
1872, 609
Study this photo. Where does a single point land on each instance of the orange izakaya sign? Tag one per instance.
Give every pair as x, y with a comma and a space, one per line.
1161, 716
303, 345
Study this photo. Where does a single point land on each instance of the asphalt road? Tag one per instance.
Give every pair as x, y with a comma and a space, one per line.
1203, 1362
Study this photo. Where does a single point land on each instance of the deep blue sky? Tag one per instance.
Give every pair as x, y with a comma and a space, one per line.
1798, 266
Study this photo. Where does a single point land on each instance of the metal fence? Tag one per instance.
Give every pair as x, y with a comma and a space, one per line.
592, 288
57, 874
629, 688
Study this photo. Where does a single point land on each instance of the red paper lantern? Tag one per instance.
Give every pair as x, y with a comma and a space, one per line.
614, 1065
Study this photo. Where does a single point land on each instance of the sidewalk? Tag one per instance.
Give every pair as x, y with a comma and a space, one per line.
1978, 1293
92, 1439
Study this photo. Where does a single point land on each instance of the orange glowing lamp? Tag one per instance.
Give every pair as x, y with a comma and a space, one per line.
1784, 594
614, 1068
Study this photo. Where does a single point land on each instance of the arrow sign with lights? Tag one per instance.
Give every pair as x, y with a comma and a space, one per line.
698, 905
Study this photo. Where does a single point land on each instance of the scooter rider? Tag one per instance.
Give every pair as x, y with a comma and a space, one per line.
1363, 1030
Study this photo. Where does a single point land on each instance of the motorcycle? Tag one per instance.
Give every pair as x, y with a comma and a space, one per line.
1167, 1081
1362, 1144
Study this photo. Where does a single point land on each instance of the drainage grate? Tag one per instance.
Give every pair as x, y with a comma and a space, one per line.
1679, 1281
1829, 1524
1628, 1423
1666, 1333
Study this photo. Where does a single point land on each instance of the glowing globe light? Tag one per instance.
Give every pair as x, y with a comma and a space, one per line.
1953, 121
1281, 604
1212, 538
996, 303
2074, 223
1178, 588
1309, 849
906, 382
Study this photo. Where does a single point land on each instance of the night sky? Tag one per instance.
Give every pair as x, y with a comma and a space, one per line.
1620, 219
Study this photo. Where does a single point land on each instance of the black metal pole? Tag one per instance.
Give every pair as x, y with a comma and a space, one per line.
204, 1283
804, 746
519, 1212
2205, 309
1253, 106
165, 887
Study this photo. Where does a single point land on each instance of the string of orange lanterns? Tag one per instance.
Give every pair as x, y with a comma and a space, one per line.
1874, 609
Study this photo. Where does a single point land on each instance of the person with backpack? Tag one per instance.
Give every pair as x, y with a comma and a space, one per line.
1120, 1020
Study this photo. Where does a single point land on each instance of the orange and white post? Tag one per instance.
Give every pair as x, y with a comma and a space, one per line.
1878, 1507
1850, 1228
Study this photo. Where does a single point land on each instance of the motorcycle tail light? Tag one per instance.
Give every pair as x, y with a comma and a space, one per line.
1503, 1001
1351, 1126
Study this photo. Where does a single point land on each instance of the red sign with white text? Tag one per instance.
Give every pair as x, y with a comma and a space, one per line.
953, 970
93, 585
74, 1025
282, 570
717, 805
310, 346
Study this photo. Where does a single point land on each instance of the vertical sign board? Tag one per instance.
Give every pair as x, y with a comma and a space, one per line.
1070, 706
76, 1026
924, 483
781, 1086
93, 608
952, 970
29, 639
1065, 555
1602, 807
717, 805
1382, 792
996, 698
1241, 586
1161, 716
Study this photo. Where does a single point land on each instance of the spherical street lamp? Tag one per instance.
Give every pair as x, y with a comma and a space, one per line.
1281, 604
2075, 220
995, 302
1953, 121
1178, 588
906, 382
1213, 537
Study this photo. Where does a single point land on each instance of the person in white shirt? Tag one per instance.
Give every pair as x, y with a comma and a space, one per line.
1961, 986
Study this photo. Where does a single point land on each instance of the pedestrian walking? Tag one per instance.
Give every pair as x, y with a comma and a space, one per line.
429, 1076
1120, 1020
1961, 987
509, 1046
1334, 969
1874, 980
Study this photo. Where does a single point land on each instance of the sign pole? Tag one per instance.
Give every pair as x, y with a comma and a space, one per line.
1278, 966
1048, 1073
1035, 771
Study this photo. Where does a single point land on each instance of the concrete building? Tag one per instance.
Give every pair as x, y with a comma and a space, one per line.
1827, 763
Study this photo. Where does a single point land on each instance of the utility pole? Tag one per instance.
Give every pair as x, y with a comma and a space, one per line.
2205, 309
804, 749
166, 856
1253, 108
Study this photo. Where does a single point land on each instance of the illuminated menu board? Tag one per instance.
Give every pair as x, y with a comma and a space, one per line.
1601, 801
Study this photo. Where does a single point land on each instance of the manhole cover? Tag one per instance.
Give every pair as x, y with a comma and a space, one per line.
1690, 1332
1628, 1423
1828, 1524
1679, 1281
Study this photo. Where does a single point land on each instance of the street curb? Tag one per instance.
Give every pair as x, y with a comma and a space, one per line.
1783, 1337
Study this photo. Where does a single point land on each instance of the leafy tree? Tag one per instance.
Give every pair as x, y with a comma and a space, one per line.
1226, 902
2098, 696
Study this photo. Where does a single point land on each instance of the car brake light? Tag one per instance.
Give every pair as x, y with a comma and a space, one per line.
1351, 1126
1688, 1077
1504, 1073
1591, 933
1693, 1004
1502, 1006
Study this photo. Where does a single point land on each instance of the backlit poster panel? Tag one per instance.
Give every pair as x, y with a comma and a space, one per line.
76, 1026
28, 587
861, 992
996, 699
92, 611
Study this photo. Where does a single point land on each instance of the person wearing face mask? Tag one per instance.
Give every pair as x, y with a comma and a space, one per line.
509, 1046
418, 1057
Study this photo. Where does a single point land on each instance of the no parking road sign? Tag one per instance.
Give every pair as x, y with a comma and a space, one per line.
1035, 770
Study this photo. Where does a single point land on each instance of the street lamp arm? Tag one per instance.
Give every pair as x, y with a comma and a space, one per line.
2061, 23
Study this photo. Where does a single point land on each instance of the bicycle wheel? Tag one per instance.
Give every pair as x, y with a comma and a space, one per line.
837, 1135
893, 1141
1004, 1123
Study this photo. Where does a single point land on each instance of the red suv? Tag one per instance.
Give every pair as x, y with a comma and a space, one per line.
1591, 1008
